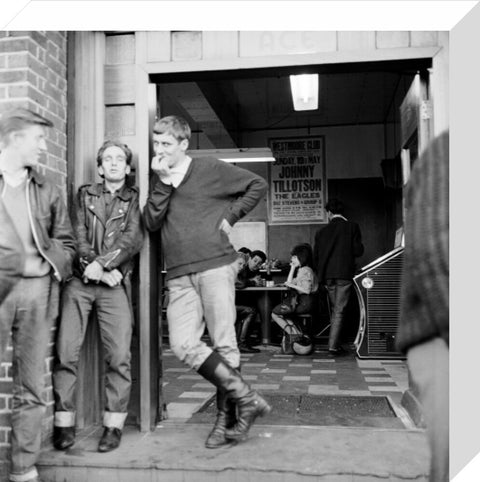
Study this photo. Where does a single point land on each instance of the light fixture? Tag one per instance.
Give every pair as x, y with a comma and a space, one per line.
254, 154
304, 91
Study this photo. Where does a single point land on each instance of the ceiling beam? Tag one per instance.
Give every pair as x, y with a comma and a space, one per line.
190, 97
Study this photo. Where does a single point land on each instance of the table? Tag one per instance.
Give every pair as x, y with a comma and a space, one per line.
265, 295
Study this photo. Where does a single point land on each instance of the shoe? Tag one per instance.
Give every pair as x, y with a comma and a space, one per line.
110, 439
63, 437
244, 348
334, 352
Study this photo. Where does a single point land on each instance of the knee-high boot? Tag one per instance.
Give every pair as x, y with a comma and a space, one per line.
226, 418
249, 403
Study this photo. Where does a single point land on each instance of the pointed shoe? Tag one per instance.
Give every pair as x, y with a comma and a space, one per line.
110, 439
63, 437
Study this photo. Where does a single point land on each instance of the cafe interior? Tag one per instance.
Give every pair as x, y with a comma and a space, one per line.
350, 122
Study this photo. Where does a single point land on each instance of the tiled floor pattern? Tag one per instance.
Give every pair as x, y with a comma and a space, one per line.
185, 391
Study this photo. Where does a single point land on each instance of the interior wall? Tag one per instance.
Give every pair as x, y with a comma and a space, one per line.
353, 167
350, 152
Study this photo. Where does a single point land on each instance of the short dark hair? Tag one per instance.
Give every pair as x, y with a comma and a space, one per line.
17, 119
245, 251
304, 254
335, 206
173, 125
260, 254
127, 151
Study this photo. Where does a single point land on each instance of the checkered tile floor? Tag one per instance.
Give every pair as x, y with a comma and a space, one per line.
185, 391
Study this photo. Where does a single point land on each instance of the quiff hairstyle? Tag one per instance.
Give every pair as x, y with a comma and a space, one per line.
173, 125
335, 206
19, 119
126, 150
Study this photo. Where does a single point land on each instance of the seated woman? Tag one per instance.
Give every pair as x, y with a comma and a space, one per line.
303, 284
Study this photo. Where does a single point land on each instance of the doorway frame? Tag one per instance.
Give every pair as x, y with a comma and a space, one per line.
142, 71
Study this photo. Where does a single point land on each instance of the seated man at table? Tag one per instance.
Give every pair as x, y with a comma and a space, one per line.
250, 275
247, 252
246, 313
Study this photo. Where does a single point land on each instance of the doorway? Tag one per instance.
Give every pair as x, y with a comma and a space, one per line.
358, 115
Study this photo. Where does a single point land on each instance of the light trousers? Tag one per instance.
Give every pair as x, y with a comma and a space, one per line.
203, 299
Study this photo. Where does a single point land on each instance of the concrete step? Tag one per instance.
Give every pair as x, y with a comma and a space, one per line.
175, 452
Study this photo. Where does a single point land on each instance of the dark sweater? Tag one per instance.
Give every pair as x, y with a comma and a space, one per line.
190, 215
424, 310
335, 249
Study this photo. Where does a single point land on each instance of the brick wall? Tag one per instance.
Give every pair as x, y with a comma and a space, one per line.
33, 74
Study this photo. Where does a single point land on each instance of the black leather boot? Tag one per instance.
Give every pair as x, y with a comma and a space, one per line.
249, 408
63, 437
250, 404
226, 418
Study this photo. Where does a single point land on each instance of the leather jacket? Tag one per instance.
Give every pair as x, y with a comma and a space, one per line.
11, 254
50, 223
111, 241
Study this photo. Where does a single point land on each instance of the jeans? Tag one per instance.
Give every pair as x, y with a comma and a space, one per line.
207, 297
115, 324
29, 311
338, 294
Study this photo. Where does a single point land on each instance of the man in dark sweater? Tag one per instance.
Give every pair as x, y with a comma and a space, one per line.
423, 330
195, 203
336, 247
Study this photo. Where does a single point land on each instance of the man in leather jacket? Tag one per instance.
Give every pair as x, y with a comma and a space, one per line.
38, 246
12, 256
108, 227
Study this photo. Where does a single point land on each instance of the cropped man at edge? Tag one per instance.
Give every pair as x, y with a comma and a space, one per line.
195, 202
37, 219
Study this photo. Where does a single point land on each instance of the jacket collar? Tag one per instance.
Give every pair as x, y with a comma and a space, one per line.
35, 175
338, 217
125, 193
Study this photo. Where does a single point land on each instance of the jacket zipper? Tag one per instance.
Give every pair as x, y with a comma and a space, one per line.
35, 236
94, 230
113, 219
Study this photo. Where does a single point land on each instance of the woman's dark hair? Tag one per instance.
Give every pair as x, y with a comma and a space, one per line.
304, 254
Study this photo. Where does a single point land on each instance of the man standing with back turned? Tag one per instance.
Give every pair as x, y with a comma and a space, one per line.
195, 203
336, 247
38, 221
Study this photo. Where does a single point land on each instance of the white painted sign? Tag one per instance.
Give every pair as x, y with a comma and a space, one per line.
258, 44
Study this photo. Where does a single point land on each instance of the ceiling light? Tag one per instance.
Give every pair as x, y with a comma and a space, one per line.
304, 91
260, 154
